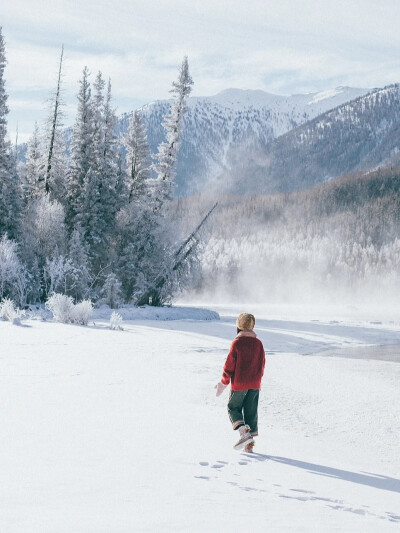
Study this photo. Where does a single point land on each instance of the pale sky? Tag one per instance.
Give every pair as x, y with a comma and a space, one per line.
280, 46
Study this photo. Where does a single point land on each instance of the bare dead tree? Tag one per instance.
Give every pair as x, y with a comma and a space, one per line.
57, 102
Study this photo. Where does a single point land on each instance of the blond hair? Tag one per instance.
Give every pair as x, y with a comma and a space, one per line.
245, 321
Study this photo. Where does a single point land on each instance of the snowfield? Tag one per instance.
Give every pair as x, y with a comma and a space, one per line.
120, 431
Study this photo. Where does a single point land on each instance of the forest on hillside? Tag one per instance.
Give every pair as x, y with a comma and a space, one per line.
339, 241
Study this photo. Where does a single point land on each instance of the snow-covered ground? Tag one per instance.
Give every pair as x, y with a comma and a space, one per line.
120, 431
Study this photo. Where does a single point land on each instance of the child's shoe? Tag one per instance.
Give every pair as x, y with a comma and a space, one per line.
245, 437
249, 447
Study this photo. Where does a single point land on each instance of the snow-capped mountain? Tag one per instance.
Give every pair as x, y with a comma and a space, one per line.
218, 128
362, 134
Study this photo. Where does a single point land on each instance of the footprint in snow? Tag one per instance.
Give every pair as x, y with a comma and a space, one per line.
217, 464
393, 517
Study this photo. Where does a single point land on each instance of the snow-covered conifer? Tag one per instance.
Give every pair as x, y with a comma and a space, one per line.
168, 150
10, 190
147, 239
82, 152
142, 247
34, 169
121, 186
164, 233
108, 166
137, 156
98, 118
100, 202
138, 222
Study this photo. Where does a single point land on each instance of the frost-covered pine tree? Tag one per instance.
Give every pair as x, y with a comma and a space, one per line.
141, 247
138, 162
34, 168
108, 164
121, 186
10, 191
98, 114
82, 153
147, 239
100, 202
90, 219
164, 232
168, 150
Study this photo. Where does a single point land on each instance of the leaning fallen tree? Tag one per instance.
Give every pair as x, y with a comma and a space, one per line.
153, 295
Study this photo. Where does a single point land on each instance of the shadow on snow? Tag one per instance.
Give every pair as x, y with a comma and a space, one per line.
364, 478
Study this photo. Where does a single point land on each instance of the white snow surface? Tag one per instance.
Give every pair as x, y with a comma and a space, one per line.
120, 431
332, 93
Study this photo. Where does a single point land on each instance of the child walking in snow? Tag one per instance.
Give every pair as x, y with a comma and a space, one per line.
244, 368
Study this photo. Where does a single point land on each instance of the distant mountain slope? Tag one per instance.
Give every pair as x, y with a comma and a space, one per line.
358, 135
218, 127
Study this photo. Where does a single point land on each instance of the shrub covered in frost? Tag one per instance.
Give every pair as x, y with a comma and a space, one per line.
65, 311
61, 306
9, 312
115, 321
82, 312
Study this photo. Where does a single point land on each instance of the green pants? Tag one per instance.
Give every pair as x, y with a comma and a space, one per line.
243, 409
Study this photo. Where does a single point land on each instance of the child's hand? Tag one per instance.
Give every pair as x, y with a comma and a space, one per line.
220, 387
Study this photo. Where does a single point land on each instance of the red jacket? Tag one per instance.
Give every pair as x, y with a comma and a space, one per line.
244, 366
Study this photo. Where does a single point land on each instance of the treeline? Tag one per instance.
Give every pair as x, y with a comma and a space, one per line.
97, 220
339, 240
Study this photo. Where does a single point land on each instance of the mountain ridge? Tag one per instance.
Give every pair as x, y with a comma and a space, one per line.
215, 127
363, 134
